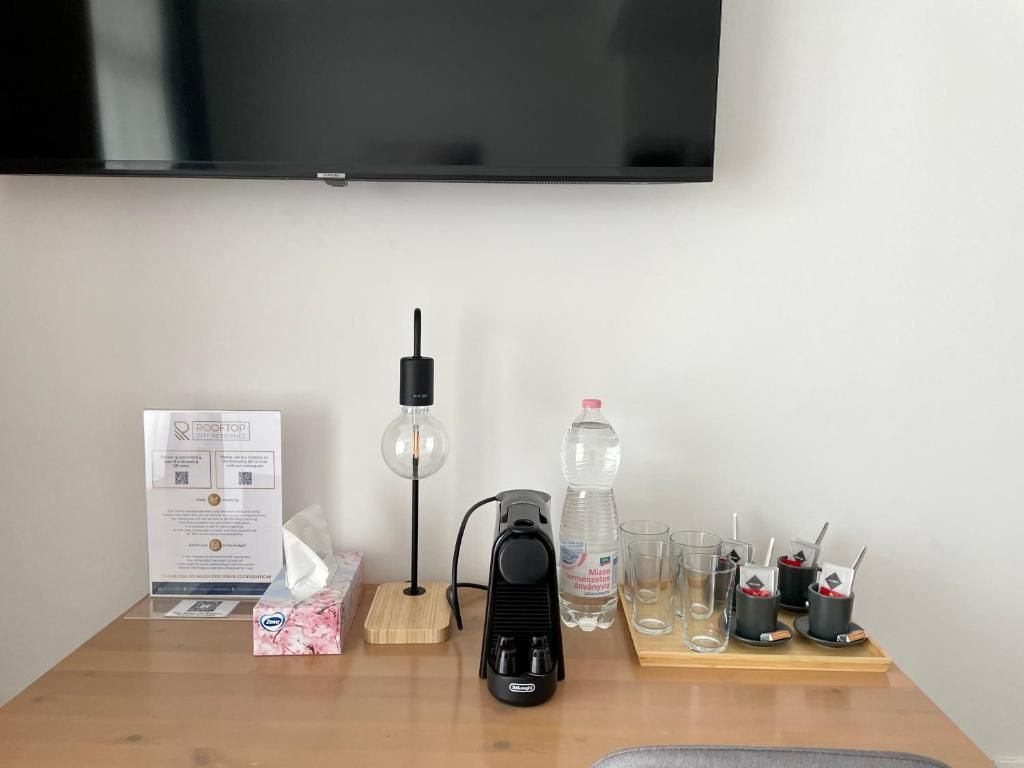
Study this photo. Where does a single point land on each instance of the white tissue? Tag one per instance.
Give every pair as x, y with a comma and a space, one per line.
309, 559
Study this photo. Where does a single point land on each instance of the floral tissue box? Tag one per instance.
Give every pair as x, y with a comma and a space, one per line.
317, 625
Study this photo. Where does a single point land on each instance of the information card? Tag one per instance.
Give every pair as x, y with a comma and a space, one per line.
213, 498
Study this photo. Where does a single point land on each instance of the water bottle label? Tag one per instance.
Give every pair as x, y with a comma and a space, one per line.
587, 574
572, 552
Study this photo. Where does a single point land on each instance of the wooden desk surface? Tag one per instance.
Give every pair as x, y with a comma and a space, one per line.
189, 693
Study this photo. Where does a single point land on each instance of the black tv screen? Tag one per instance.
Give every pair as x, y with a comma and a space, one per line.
499, 90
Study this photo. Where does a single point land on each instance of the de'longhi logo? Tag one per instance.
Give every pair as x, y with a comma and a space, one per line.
272, 621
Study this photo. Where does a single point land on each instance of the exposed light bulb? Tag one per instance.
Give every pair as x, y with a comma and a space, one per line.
415, 444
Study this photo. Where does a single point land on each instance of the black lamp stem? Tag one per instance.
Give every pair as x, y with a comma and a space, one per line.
414, 587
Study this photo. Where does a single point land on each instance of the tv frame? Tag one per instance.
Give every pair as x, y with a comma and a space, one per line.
438, 173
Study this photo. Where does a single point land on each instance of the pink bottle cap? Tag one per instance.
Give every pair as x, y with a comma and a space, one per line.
591, 402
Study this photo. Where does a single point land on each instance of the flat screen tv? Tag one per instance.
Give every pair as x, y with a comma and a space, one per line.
459, 90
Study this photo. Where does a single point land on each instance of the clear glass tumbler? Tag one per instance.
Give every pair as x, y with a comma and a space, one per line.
694, 543
652, 577
697, 542
708, 582
637, 530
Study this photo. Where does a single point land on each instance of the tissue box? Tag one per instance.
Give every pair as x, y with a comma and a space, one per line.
319, 624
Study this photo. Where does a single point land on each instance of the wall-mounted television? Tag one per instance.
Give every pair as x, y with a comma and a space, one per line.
460, 90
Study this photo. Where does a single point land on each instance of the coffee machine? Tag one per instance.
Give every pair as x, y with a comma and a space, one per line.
521, 653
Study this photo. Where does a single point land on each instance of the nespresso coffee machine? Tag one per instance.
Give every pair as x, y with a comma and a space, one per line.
521, 651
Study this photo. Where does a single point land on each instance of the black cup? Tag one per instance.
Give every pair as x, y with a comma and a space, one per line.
830, 616
755, 615
793, 584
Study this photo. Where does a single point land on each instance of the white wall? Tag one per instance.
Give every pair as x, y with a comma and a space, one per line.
832, 329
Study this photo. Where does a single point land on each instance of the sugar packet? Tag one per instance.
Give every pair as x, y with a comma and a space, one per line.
759, 580
836, 580
804, 552
739, 552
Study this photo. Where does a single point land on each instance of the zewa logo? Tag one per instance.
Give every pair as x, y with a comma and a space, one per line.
220, 430
272, 621
181, 430
522, 687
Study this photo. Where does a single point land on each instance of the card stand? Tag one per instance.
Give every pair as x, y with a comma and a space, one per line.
157, 608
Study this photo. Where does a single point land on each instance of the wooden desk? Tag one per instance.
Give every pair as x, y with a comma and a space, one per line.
189, 693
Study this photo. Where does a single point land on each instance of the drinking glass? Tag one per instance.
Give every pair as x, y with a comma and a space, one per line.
694, 543
697, 542
651, 574
708, 581
637, 530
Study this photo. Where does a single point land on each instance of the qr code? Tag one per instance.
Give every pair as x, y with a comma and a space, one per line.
245, 478
204, 606
181, 478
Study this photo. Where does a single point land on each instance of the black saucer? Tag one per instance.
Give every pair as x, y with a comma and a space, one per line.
766, 643
802, 626
794, 608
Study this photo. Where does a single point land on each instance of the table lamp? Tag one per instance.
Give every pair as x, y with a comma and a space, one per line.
414, 446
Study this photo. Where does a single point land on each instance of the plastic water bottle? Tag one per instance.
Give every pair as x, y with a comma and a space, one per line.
589, 532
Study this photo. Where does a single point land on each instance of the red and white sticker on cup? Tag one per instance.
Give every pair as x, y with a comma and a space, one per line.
738, 551
760, 580
804, 554
837, 580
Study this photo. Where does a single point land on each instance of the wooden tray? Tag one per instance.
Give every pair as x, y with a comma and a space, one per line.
798, 654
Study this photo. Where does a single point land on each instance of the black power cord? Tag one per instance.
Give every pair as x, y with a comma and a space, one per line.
452, 593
